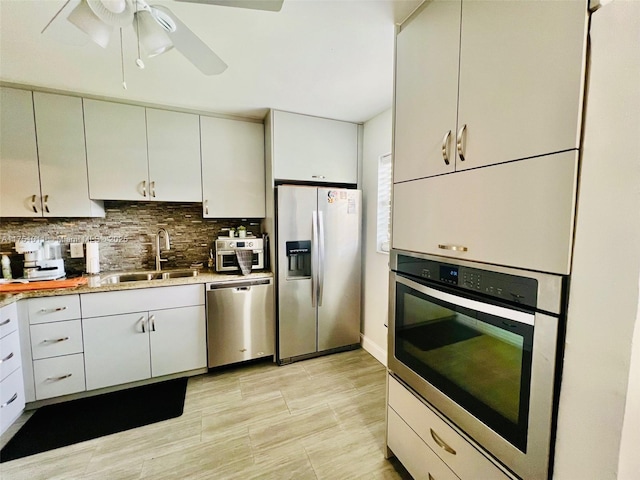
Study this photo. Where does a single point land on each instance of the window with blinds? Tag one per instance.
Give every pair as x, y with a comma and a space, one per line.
385, 179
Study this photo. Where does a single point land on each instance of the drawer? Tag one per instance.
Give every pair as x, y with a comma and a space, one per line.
55, 339
141, 300
59, 376
53, 309
8, 319
9, 354
414, 454
11, 399
467, 462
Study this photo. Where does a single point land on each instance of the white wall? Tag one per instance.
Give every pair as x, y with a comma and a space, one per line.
599, 398
376, 143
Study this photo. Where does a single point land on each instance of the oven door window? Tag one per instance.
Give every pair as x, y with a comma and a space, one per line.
472, 352
230, 260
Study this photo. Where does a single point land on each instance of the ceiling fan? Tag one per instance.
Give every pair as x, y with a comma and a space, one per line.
157, 28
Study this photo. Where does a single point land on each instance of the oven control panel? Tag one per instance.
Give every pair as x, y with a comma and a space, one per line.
503, 286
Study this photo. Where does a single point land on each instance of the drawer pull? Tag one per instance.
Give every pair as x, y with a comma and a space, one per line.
6, 322
33, 204
52, 310
461, 142
61, 377
10, 401
152, 320
441, 442
141, 320
431, 477
455, 248
8, 357
321, 177
56, 340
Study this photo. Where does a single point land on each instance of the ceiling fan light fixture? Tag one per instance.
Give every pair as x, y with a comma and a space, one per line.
86, 20
152, 36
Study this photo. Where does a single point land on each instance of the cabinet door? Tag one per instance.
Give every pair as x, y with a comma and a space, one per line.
62, 157
521, 79
116, 349
116, 151
427, 92
19, 176
178, 340
314, 149
233, 175
174, 156
516, 214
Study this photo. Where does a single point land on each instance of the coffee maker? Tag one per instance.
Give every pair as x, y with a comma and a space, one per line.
42, 260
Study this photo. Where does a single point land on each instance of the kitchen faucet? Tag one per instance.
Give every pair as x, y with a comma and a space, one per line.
167, 246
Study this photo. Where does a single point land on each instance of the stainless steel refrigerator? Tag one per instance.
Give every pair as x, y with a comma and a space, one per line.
318, 270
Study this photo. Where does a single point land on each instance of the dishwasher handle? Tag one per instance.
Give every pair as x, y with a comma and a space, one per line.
242, 285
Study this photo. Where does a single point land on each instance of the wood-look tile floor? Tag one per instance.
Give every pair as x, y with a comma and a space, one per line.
322, 418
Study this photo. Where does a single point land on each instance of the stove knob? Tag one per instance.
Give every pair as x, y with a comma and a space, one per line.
250, 244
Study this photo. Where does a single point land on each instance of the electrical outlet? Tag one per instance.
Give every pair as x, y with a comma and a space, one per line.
76, 250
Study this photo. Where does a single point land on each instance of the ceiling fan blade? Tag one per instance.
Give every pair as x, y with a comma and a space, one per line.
269, 5
194, 49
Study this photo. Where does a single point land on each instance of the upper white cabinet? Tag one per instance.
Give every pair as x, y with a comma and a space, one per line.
517, 92
233, 169
518, 214
43, 167
313, 149
62, 157
174, 156
116, 151
19, 175
135, 153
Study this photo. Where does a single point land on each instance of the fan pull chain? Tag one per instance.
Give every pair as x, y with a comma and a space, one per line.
139, 61
124, 83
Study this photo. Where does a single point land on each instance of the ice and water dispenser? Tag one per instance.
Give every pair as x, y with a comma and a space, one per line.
299, 259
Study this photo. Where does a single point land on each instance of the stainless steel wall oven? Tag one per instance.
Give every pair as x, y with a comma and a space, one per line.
482, 344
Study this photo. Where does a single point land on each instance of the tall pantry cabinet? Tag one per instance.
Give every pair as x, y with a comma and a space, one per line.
480, 84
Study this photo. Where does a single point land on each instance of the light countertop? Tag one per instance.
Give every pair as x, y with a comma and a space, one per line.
204, 276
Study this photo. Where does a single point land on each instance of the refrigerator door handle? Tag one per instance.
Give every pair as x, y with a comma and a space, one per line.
320, 257
314, 261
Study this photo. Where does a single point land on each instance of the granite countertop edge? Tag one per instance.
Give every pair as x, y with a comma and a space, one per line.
94, 285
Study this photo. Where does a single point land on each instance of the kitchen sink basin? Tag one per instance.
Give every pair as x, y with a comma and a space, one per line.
147, 276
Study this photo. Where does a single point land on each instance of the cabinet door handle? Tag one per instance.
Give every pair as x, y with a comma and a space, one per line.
441, 443
33, 203
445, 147
61, 377
52, 310
142, 323
152, 319
10, 401
144, 188
152, 187
206, 207
6, 322
318, 176
460, 142
431, 477
455, 248
8, 357
56, 340
46, 207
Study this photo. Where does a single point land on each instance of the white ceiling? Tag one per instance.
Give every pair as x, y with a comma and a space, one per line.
330, 58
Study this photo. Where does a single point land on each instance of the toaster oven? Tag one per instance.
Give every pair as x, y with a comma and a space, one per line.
227, 259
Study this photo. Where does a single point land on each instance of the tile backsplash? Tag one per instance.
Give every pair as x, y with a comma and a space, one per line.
126, 235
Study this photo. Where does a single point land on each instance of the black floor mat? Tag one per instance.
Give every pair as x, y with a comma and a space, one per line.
56, 426
437, 334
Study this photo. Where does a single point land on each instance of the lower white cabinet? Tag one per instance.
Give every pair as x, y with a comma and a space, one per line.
152, 332
12, 398
57, 376
427, 446
518, 214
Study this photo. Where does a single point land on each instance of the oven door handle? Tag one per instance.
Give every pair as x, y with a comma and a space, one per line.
514, 315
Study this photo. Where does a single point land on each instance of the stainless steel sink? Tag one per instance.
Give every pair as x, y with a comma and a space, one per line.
147, 276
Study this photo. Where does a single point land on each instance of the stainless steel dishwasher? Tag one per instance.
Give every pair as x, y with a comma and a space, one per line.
240, 321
